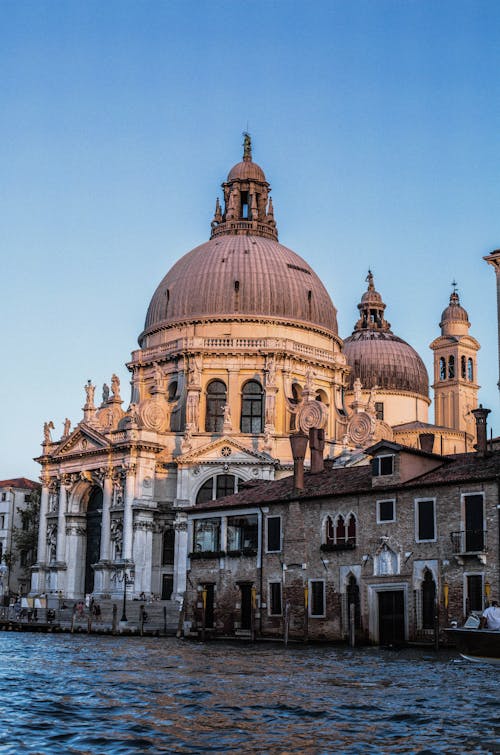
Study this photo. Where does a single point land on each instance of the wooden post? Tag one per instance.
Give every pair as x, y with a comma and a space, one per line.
286, 621
164, 619
352, 624
203, 612
306, 613
115, 612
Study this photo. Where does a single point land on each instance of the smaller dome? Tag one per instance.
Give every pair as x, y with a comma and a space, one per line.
454, 312
246, 171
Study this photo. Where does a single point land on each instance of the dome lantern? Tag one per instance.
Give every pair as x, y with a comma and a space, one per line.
248, 209
377, 357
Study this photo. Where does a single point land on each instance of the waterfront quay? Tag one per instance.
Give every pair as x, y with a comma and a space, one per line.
87, 694
142, 618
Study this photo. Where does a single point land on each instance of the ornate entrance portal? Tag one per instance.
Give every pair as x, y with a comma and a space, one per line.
92, 553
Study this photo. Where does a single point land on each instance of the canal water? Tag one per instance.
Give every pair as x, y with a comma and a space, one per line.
109, 695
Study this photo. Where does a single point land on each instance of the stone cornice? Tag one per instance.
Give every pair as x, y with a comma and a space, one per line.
235, 317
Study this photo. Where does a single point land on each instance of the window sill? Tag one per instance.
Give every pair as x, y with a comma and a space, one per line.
330, 547
242, 552
198, 555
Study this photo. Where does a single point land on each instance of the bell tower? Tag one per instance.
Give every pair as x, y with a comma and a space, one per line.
455, 369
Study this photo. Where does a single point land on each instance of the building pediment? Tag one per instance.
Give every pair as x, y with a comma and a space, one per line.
83, 439
224, 449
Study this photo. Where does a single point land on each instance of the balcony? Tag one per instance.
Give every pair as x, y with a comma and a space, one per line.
468, 542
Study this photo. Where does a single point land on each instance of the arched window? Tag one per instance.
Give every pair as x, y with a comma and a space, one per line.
451, 367
340, 530
470, 370
218, 487
351, 529
329, 532
216, 400
252, 408
442, 368
463, 368
172, 390
428, 600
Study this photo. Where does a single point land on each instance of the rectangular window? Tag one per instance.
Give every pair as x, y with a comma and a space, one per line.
426, 520
474, 523
206, 535
2, 521
386, 511
275, 608
27, 497
382, 465
242, 532
316, 597
273, 534
474, 592
4, 496
379, 410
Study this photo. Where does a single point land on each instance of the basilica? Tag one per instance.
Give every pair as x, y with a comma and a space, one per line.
240, 348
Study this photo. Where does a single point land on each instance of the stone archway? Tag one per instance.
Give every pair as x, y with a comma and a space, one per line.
93, 546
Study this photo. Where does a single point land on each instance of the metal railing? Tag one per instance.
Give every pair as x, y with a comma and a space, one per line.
468, 541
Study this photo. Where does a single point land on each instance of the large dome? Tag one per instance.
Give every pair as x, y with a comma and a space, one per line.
379, 358
241, 276
242, 272
386, 361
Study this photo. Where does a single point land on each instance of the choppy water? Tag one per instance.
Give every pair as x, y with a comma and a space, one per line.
78, 694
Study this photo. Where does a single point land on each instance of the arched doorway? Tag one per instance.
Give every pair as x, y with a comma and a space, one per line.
93, 550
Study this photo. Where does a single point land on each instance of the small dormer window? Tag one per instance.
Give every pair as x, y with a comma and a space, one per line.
383, 465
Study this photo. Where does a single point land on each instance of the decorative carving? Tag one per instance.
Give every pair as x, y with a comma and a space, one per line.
186, 443
47, 427
360, 429
52, 541
193, 409
194, 371
76, 529
226, 451
67, 427
105, 393
154, 414
312, 414
116, 536
270, 408
180, 525
271, 372
89, 393
357, 386
227, 424
115, 386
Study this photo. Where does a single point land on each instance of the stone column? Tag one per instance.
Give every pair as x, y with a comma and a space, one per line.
106, 520
181, 551
128, 513
142, 551
61, 524
42, 529
493, 259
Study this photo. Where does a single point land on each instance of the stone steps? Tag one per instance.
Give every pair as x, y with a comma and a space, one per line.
161, 616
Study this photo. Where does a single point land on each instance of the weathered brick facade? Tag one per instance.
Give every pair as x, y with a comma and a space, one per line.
414, 549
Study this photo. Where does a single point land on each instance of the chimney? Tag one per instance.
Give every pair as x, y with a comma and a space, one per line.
317, 446
298, 442
480, 414
426, 442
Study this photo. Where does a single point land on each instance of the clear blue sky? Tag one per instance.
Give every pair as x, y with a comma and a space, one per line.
377, 123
